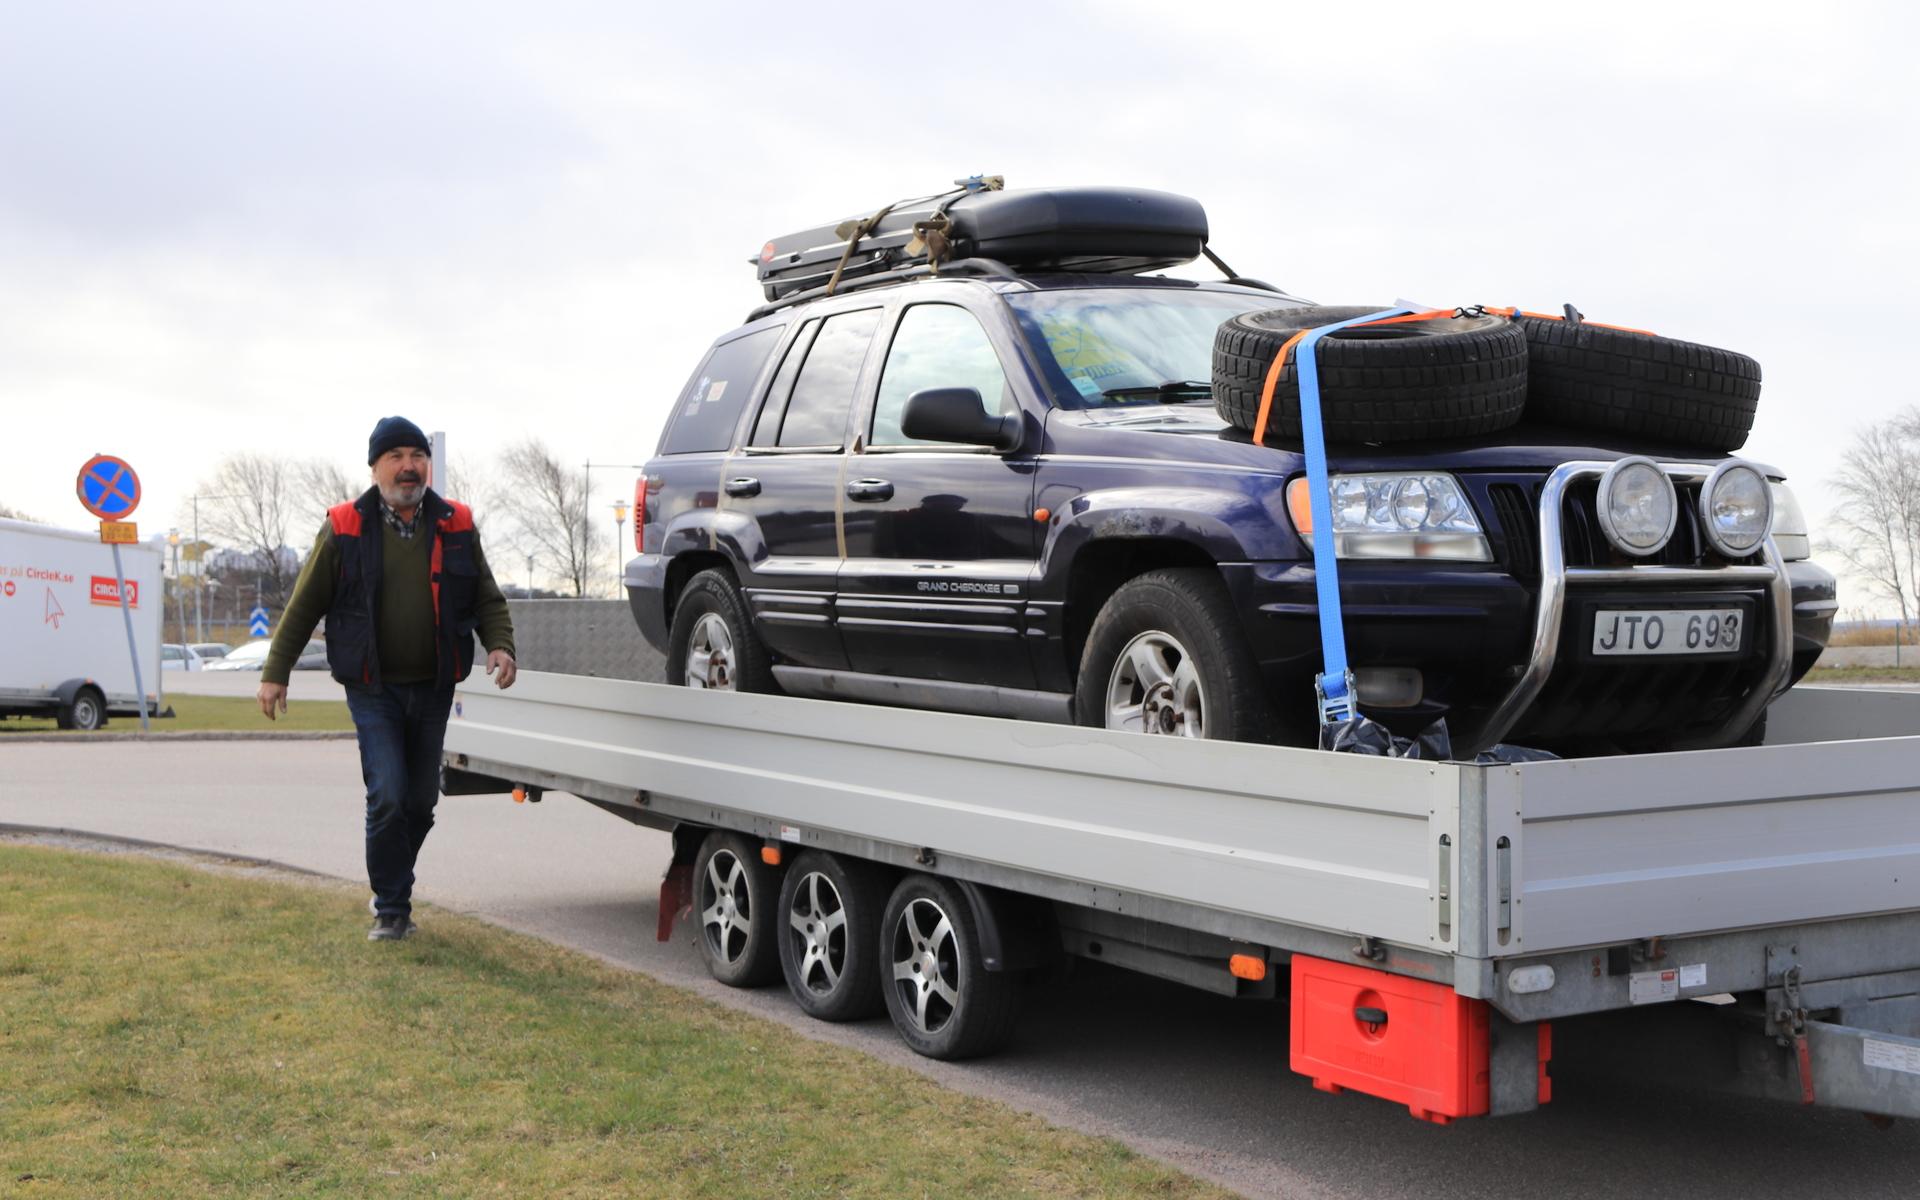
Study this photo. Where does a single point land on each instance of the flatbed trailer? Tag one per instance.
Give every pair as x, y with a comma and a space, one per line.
1747, 919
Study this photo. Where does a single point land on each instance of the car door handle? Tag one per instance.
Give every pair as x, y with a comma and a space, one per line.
869, 489
743, 486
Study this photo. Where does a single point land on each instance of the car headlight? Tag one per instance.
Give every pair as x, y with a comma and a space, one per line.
1790, 533
1395, 514
1637, 506
1736, 508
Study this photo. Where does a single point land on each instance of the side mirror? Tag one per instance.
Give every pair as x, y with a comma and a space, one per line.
958, 415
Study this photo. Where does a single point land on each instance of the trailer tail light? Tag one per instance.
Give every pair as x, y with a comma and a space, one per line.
1413, 1042
640, 515
1246, 966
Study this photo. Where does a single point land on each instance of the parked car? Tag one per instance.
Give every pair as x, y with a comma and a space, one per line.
211, 650
253, 657
1007, 490
175, 657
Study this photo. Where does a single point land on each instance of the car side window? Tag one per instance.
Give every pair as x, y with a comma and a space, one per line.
766, 426
817, 412
936, 346
710, 407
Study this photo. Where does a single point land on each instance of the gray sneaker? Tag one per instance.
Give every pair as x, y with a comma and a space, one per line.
390, 929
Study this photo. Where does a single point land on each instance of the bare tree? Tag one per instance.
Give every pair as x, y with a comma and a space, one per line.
14, 514
320, 484
547, 504
253, 501
1876, 528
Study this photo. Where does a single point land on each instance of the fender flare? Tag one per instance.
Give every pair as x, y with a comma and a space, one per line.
1017, 932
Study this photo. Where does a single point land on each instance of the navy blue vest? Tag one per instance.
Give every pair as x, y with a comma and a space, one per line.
353, 620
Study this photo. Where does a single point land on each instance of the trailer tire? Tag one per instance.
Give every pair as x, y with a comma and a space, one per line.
1622, 381
736, 902
943, 1000
713, 634
830, 909
1166, 655
1446, 377
86, 711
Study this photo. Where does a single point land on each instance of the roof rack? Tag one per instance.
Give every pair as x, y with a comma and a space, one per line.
963, 267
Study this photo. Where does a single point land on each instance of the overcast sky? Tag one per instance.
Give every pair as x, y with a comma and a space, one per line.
263, 227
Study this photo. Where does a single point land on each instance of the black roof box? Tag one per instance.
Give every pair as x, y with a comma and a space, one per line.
1103, 230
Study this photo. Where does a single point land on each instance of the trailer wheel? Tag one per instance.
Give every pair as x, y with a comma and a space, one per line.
713, 643
942, 998
736, 900
830, 940
86, 711
1166, 656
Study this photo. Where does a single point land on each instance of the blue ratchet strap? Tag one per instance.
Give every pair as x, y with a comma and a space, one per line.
1333, 689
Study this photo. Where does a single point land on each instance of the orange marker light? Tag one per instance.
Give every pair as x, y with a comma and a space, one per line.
770, 855
519, 794
1042, 515
1299, 505
1246, 966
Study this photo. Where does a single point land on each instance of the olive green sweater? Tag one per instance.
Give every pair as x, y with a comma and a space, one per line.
405, 630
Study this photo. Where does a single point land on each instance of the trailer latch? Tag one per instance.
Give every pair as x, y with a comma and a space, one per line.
1793, 1017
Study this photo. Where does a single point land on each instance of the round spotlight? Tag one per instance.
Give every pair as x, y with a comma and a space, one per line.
1637, 506
1736, 508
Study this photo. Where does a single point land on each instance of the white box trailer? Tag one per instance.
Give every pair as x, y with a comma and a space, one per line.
1745, 918
63, 641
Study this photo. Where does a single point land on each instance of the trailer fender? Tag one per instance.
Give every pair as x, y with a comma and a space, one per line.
1017, 933
71, 688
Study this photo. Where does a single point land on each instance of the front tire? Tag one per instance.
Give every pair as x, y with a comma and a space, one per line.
1166, 656
713, 644
943, 1000
735, 900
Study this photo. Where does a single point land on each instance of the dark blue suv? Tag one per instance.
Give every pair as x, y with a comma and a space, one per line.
1008, 493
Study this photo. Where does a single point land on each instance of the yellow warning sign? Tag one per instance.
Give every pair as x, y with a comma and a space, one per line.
125, 533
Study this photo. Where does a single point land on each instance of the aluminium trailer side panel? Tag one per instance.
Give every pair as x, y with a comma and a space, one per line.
1330, 842
1620, 849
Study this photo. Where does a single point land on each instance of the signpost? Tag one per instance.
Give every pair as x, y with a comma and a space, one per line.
257, 622
109, 489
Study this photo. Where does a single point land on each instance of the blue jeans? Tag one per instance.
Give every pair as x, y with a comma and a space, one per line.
401, 727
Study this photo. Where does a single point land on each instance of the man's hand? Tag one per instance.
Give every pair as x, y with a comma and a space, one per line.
273, 699
500, 665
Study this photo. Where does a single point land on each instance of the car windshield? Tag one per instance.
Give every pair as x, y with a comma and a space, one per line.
251, 652
1109, 346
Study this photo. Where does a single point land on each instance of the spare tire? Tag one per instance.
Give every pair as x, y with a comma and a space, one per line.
1442, 377
1625, 381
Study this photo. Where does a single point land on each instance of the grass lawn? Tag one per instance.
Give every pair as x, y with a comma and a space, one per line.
171, 1032
221, 713
1863, 675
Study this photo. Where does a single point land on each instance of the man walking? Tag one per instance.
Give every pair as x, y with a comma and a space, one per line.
400, 579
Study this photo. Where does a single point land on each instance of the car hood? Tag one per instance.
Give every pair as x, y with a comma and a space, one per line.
1196, 434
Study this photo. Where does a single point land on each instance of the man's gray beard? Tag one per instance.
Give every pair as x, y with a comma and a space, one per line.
404, 495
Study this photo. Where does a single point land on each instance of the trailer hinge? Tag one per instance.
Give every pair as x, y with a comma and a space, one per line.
1370, 949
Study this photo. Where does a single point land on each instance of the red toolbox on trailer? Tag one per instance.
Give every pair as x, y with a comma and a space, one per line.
1416, 1043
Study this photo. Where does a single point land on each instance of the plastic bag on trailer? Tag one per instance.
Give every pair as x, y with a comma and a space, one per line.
1362, 736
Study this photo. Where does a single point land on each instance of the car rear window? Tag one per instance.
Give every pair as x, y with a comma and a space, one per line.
710, 407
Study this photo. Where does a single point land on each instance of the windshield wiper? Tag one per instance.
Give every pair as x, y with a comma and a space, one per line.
1173, 391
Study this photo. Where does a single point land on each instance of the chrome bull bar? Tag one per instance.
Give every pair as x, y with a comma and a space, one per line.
1550, 609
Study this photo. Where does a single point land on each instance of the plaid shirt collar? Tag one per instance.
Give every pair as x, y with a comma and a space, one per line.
405, 528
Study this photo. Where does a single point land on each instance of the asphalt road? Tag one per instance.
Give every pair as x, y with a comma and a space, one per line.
1192, 1079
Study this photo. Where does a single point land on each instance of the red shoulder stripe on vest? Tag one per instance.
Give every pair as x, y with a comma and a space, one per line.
459, 521
346, 519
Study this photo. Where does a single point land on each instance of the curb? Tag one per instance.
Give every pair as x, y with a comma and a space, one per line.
196, 735
7, 827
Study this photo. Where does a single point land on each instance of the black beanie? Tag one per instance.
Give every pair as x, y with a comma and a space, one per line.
395, 431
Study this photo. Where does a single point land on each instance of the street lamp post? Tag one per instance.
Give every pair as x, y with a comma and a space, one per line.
529, 576
179, 601
620, 508
200, 573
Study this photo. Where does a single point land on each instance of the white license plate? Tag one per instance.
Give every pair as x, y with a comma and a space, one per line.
1667, 631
